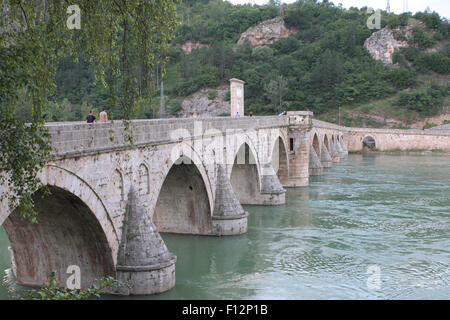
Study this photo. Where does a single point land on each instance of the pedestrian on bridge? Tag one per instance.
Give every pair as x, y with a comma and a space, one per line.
103, 116
90, 118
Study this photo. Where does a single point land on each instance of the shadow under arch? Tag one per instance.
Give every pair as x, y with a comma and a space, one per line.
326, 142
67, 233
183, 204
316, 145
280, 161
369, 143
245, 175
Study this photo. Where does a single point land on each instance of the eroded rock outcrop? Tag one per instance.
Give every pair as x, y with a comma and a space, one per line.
383, 43
266, 32
200, 105
188, 46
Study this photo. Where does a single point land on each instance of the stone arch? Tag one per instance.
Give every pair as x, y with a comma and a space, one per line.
184, 205
74, 228
238, 152
368, 142
143, 179
280, 160
316, 145
326, 142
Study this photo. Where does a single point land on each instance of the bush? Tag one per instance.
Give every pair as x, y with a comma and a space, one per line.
429, 125
438, 36
397, 57
212, 94
422, 39
432, 20
186, 87
175, 107
424, 101
402, 78
403, 19
436, 62
262, 53
393, 21
446, 50
410, 53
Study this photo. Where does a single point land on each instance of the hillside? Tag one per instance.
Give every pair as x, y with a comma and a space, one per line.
330, 61
301, 56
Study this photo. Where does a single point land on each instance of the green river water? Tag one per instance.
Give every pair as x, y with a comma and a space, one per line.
388, 213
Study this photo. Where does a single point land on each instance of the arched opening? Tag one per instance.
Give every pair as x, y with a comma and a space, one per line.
326, 142
245, 176
316, 145
143, 179
183, 204
67, 234
369, 143
280, 161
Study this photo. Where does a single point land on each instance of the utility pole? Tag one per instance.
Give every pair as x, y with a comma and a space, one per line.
388, 7
339, 116
162, 108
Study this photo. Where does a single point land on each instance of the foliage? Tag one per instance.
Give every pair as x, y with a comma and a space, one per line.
422, 39
436, 62
324, 66
122, 43
175, 107
402, 78
212, 94
429, 125
53, 290
424, 101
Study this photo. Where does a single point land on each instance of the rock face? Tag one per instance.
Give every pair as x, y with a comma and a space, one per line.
200, 105
266, 32
188, 46
382, 44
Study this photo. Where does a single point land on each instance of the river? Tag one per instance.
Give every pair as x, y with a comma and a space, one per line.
372, 227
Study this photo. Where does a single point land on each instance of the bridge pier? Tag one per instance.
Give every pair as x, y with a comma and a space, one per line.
325, 158
229, 218
144, 261
299, 146
272, 191
343, 147
339, 150
333, 152
315, 167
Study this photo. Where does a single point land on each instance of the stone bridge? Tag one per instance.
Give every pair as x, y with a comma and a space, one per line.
115, 186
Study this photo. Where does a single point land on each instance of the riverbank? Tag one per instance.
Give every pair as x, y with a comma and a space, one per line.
403, 152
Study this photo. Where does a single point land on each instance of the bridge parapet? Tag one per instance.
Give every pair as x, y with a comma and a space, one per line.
74, 139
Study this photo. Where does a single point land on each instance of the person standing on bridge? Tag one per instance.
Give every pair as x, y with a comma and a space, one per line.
90, 118
103, 116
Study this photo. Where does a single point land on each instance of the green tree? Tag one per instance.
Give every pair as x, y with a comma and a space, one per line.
275, 90
115, 37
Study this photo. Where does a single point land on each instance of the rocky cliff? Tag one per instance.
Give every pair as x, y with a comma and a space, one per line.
188, 46
200, 104
383, 43
266, 32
